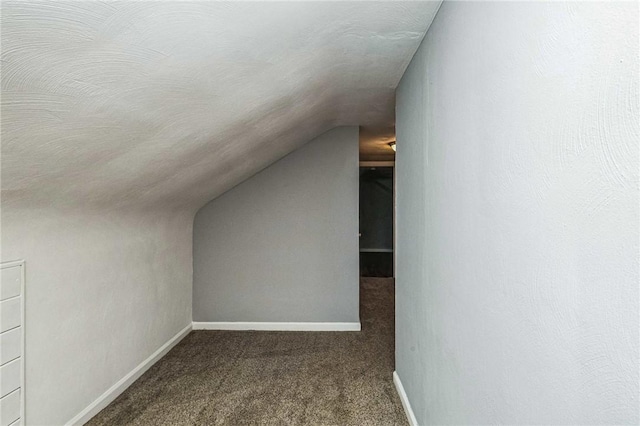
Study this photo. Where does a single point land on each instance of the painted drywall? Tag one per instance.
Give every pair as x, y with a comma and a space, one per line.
119, 120
103, 292
517, 281
283, 245
158, 103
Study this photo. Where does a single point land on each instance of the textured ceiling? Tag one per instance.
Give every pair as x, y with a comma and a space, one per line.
173, 103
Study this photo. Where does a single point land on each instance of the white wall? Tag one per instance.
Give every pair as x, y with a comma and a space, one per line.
517, 162
104, 290
283, 245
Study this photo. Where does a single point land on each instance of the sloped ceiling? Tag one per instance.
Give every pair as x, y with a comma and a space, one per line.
173, 103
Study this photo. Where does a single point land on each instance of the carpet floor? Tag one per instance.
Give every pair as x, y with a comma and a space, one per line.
273, 378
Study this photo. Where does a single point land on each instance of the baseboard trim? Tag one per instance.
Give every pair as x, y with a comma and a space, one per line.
405, 401
278, 326
114, 391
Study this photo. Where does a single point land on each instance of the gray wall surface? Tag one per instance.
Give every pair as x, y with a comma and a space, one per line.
283, 245
517, 281
104, 290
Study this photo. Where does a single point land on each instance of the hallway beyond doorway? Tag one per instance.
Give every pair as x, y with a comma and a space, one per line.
376, 220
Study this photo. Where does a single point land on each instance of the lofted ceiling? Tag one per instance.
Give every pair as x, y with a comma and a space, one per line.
173, 103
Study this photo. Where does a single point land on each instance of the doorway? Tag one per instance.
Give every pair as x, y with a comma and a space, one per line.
377, 204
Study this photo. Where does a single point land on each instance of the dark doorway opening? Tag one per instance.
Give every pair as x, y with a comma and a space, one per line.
376, 221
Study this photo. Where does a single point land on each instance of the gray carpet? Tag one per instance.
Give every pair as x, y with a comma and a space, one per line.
273, 378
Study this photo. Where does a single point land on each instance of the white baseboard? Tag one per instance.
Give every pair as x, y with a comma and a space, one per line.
278, 326
405, 401
114, 391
